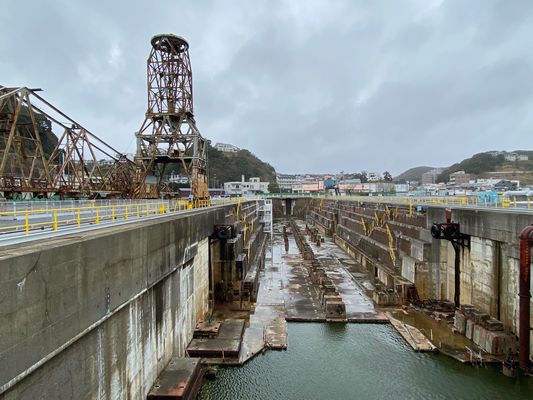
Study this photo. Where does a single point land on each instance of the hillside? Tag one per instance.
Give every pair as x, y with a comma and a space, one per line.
26, 148
228, 167
413, 174
490, 165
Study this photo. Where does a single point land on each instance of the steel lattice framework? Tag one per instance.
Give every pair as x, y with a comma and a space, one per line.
77, 164
169, 133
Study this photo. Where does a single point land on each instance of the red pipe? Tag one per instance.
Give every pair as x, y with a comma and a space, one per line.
526, 240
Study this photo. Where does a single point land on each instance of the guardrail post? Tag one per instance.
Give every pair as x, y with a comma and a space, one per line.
162, 208
54, 223
146, 209
126, 212
97, 217
26, 222
78, 219
113, 213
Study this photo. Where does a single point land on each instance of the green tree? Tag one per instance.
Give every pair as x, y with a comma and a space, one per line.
273, 187
387, 177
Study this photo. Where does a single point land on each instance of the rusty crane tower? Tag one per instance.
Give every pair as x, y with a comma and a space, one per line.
169, 133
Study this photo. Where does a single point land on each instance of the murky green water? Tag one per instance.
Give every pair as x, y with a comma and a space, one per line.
336, 361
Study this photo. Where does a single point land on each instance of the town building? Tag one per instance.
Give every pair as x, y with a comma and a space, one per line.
177, 178
401, 187
309, 187
430, 176
516, 157
243, 188
373, 176
287, 181
350, 185
459, 178
226, 147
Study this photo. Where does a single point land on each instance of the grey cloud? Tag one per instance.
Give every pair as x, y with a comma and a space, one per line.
307, 85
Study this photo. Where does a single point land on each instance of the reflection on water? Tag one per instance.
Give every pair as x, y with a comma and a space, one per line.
350, 361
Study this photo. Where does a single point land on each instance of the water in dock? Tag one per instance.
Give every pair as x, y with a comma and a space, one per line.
358, 361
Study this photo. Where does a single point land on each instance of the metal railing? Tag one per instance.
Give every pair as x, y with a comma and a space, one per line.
30, 217
513, 202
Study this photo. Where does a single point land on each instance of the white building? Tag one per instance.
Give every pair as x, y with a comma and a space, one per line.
373, 176
226, 147
516, 157
176, 178
286, 182
401, 188
242, 188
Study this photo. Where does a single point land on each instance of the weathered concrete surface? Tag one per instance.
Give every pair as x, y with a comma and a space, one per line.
394, 244
99, 315
490, 268
180, 380
298, 207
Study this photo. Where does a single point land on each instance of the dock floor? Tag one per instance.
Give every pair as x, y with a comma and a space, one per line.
286, 293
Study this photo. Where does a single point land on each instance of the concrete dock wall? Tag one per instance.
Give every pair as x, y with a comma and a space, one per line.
490, 268
394, 244
99, 314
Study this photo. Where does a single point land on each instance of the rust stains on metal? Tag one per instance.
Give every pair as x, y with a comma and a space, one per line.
180, 380
169, 133
77, 164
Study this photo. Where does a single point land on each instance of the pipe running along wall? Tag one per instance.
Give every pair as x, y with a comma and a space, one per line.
526, 240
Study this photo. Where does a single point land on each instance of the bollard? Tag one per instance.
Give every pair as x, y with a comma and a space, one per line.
54, 223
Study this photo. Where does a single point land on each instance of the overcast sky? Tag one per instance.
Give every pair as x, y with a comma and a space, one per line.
309, 86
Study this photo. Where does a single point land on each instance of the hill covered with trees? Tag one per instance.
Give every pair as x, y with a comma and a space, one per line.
493, 165
228, 167
413, 174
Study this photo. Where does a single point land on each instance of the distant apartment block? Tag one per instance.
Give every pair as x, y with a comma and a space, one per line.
459, 178
430, 177
226, 147
287, 181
